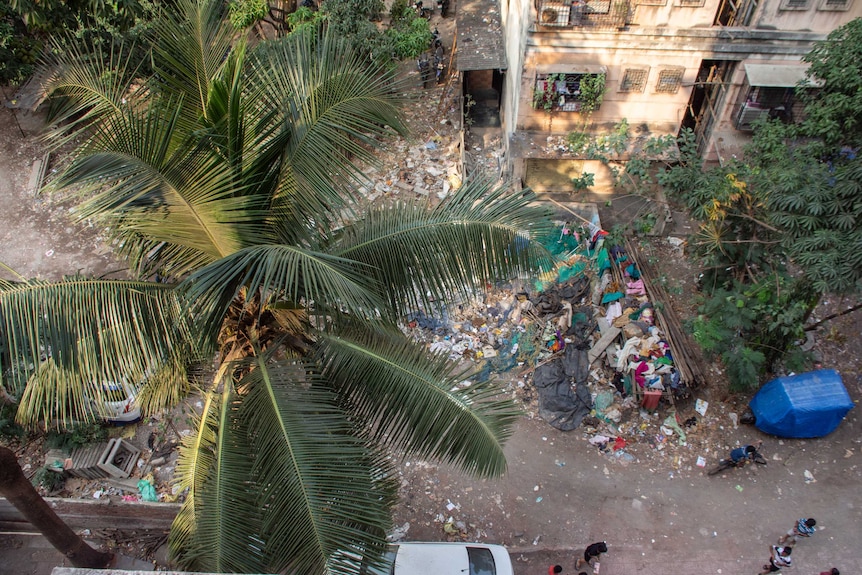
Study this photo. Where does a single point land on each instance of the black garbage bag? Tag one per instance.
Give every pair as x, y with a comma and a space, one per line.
559, 405
576, 363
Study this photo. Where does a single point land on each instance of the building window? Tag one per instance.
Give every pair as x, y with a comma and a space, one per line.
669, 81
794, 5
563, 92
690, 3
634, 80
838, 5
651, 2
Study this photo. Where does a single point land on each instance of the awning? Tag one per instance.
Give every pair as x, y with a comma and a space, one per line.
559, 68
480, 43
777, 75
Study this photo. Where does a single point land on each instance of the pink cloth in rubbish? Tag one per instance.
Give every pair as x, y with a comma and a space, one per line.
642, 368
636, 288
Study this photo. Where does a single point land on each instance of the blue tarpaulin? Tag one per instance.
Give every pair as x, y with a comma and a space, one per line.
809, 404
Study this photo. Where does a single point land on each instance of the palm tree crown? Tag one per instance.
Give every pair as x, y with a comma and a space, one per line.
229, 174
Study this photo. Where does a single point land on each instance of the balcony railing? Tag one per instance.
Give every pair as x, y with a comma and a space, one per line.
599, 14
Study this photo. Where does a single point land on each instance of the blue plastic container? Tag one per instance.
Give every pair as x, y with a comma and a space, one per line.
809, 404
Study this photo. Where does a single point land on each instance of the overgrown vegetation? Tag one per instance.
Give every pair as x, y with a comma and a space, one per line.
779, 228
50, 480
78, 435
28, 27
8, 426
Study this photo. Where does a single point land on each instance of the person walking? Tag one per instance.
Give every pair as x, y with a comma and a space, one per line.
592, 552
803, 528
555, 569
780, 558
833, 571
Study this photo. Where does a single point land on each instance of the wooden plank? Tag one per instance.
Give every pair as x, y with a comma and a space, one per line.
607, 339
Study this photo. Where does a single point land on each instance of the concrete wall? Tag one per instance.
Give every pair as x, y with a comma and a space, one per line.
516, 19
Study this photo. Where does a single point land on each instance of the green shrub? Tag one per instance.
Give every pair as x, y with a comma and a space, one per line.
50, 480
77, 436
8, 427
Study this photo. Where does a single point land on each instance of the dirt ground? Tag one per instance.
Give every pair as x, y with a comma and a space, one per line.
656, 508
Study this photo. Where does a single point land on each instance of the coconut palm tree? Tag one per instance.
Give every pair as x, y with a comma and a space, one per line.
230, 175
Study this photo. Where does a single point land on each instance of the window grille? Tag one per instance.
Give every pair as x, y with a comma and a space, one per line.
634, 80
669, 81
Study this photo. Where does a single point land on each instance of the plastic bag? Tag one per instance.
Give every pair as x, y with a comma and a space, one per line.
148, 492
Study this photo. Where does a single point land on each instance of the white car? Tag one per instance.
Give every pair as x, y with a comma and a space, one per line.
120, 405
448, 559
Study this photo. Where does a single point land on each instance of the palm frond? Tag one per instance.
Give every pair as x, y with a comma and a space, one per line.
331, 110
323, 490
480, 234
91, 330
321, 282
139, 174
419, 403
218, 526
192, 44
88, 87
164, 388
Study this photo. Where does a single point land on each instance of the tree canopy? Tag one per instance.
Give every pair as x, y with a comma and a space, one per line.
230, 176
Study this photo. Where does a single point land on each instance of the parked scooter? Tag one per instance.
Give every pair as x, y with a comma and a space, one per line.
421, 11
424, 69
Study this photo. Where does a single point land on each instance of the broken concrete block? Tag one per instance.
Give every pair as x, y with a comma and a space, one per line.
120, 458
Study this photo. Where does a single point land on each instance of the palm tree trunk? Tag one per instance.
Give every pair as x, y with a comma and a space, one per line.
18, 490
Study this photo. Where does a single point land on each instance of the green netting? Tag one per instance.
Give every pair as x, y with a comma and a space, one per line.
603, 261
568, 272
558, 243
527, 350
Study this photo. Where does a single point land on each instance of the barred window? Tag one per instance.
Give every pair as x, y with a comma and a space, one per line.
835, 4
669, 81
691, 3
794, 5
634, 80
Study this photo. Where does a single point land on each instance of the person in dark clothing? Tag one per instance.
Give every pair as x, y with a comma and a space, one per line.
592, 552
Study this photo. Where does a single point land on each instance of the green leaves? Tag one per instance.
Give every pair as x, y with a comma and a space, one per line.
419, 405
231, 174
480, 234
69, 337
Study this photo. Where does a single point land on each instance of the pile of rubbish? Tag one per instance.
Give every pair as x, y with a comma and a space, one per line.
583, 343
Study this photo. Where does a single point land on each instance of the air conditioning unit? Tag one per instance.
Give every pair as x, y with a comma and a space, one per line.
554, 14
749, 114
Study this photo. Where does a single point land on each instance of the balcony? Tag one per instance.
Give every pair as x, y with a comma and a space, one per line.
579, 14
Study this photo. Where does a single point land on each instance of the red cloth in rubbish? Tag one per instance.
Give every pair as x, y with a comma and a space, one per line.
639, 371
619, 443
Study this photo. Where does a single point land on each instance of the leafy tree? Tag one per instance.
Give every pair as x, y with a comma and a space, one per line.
19, 50
810, 174
230, 174
408, 34
27, 27
793, 206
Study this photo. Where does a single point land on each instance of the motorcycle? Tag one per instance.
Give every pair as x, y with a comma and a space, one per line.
756, 457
